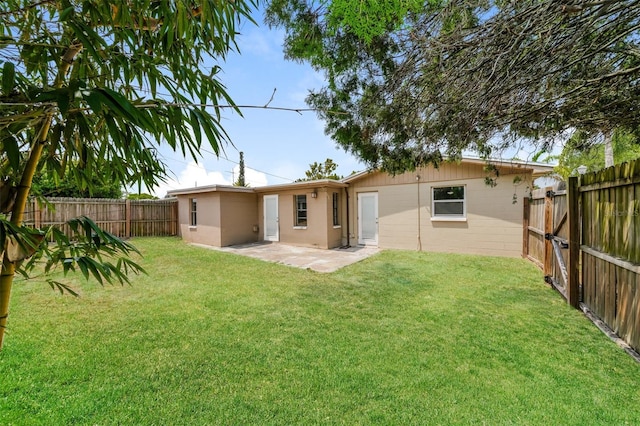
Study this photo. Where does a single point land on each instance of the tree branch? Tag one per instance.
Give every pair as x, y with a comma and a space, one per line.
28, 7
271, 98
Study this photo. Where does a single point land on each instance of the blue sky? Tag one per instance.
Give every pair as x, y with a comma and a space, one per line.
278, 146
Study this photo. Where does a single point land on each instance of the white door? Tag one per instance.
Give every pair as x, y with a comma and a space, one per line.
271, 229
368, 218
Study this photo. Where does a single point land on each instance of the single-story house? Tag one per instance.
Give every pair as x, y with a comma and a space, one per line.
449, 209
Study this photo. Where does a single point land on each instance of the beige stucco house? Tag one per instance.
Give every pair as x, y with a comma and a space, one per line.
448, 209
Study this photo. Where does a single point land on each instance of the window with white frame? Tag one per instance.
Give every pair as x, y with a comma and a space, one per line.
336, 209
448, 202
193, 210
301, 210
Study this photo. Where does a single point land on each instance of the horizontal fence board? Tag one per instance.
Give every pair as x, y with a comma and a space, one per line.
610, 259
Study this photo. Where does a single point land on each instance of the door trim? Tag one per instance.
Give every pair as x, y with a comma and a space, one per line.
361, 239
266, 237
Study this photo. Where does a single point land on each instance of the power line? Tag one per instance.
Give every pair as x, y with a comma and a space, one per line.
219, 157
248, 167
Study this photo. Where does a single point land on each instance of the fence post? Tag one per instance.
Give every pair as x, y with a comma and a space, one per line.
548, 230
127, 214
37, 214
573, 222
525, 227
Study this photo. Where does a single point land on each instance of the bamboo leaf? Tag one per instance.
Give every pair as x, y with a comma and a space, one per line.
67, 265
8, 77
97, 270
93, 99
80, 34
11, 148
63, 101
195, 126
123, 107
83, 267
62, 287
67, 13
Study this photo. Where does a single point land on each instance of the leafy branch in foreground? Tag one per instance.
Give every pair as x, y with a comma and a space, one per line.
88, 249
92, 251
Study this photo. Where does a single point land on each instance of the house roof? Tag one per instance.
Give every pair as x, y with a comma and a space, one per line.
538, 169
304, 184
210, 188
269, 188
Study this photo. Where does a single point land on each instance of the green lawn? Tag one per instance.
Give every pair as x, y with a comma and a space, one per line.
401, 338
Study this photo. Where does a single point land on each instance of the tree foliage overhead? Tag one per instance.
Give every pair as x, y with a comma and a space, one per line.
88, 85
467, 74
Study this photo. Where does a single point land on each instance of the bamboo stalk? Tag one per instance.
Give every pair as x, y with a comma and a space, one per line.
17, 214
24, 188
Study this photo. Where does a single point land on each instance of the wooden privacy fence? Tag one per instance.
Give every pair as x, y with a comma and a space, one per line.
585, 235
123, 218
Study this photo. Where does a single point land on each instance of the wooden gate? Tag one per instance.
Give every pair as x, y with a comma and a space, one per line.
548, 236
556, 239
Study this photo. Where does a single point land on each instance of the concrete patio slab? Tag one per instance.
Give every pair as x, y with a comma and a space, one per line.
319, 260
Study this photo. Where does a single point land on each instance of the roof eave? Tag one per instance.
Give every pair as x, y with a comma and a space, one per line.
210, 188
537, 169
303, 185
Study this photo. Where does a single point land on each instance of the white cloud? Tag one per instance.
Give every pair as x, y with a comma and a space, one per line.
252, 177
195, 175
261, 43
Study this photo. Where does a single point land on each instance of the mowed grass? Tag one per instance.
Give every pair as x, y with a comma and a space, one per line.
400, 338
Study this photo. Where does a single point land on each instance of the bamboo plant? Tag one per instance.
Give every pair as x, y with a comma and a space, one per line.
90, 85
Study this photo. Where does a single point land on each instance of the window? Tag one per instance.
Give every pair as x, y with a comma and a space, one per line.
449, 202
193, 204
301, 210
336, 210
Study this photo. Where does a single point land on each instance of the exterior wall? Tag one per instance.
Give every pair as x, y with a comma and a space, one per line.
493, 223
223, 218
319, 231
335, 232
207, 230
238, 216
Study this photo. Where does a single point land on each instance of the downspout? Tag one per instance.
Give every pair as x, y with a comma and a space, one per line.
346, 191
